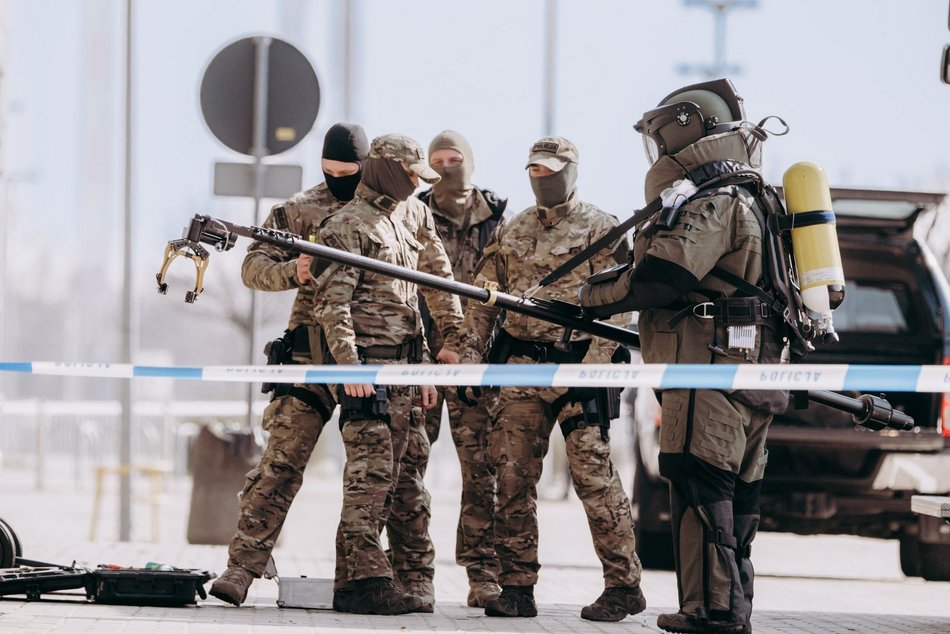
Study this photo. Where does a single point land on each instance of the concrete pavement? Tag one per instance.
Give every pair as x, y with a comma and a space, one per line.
805, 584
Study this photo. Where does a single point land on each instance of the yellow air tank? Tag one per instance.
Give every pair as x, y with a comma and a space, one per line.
815, 244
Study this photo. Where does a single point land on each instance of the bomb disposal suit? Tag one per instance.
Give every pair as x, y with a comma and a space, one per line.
684, 283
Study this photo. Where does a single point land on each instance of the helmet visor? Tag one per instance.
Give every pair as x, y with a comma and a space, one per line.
651, 149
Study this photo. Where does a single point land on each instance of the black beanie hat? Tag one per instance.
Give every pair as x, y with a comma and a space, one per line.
346, 142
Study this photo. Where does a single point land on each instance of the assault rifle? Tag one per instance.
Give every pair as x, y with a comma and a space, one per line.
869, 411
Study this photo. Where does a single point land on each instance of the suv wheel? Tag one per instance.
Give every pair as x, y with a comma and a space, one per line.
930, 561
910, 556
935, 561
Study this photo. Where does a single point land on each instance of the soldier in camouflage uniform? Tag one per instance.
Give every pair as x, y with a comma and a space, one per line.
297, 413
370, 318
465, 217
524, 251
411, 551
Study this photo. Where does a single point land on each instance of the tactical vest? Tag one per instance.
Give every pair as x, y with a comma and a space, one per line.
772, 301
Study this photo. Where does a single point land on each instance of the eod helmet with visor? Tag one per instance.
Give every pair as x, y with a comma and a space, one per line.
689, 114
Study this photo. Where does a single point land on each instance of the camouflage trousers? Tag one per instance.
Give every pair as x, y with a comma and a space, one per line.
372, 477
474, 543
517, 445
411, 552
270, 487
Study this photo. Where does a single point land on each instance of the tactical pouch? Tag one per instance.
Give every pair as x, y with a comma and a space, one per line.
279, 352
374, 407
599, 406
768, 401
294, 343
417, 350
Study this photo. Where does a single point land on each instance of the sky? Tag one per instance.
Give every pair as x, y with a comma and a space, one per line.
856, 81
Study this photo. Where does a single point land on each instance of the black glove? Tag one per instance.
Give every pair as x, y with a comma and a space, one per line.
603, 294
462, 393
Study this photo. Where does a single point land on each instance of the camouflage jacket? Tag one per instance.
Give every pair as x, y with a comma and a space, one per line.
464, 245
522, 252
269, 268
366, 309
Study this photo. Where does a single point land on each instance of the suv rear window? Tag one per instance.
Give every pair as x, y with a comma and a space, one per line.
873, 308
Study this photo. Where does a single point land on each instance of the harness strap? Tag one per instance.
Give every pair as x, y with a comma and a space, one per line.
410, 349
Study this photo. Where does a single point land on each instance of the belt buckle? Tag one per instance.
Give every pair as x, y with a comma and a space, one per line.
701, 311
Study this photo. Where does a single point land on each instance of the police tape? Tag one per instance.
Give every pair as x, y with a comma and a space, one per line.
865, 378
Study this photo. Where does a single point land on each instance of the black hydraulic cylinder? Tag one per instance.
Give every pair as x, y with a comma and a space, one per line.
869, 411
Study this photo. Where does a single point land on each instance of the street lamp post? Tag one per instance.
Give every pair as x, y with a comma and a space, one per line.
720, 9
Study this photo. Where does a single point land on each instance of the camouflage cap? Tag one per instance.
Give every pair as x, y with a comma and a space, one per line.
553, 152
402, 149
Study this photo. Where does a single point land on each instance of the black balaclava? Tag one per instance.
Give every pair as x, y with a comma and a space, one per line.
388, 177
556, 188
345, 142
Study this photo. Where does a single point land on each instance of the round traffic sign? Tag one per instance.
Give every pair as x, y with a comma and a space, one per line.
227, 95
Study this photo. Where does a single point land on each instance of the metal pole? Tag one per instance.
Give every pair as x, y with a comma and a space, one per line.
129, 314
720, 9
347, 58
39, 467
4, 304
259, 151
223, 235
719, 41
550, 63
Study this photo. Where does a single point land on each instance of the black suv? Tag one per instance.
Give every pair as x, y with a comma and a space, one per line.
825, 475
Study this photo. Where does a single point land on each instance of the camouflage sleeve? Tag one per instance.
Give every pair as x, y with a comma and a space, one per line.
445, 308
601, 350
267, 267
332, 308
480, 319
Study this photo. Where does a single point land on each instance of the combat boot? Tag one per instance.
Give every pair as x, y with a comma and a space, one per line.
376, 595
421, 589
614, 604
684, 623
481, 592
513, 601
232, 585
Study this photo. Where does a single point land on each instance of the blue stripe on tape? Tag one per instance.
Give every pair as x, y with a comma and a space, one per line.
529, 375
715, 377
166, 372
864, 378
891, 378
344, 374
16, 367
